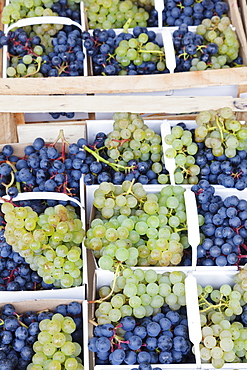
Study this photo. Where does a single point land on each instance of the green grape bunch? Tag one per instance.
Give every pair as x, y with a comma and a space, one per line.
221, 131
131, 140
138, 50
106, 14
218, 31
133, 228
224, 334
49, 242
19, 9
54, 348
182, 149
139, 293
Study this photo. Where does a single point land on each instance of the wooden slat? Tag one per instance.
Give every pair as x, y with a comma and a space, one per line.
8, 128
49, 132
122, 84
1, 28
243, 11
242, 88
115, 103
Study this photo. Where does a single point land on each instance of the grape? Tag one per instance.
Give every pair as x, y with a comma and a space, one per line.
221, 121
222, 332
114, 14
216, 47
129, 297
143, 238
55, 265
182, 150
61, 350
17, 9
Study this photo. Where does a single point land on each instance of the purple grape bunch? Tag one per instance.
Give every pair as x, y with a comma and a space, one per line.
159, 339
223, 226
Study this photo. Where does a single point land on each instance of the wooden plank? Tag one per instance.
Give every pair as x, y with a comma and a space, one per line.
162, 116
122, 84
116, 103
8, 128
19, 118
243, 12
242, 88
49, 132
1, 28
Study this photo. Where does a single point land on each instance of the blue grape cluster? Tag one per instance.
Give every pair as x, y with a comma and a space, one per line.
56, 115
224, 227
110, 57
18, 333
66, 9
190, 12
64, 57
228, 172
43, 168
162, 338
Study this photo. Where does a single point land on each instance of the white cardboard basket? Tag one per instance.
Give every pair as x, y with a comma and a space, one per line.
192, 221
73, 292
36, 21
214, 278
38, 305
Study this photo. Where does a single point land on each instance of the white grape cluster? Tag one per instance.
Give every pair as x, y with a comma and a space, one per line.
54, 348
138, 50
140, 293
223, 335
131, 139
19, 9
182, 149
108, 14
49, 242
136, 228
221, 131
218, 31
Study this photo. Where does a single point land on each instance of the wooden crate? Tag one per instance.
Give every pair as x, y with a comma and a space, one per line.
130, 84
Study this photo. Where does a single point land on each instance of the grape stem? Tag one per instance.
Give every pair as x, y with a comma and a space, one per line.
9, 201
19, 320
7, 186
217, 121
37, 70
18, 185
202, 301
126, 25
117, 167
150, 51
94, 323
129, 191
121, 142
64, 143
113, 286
